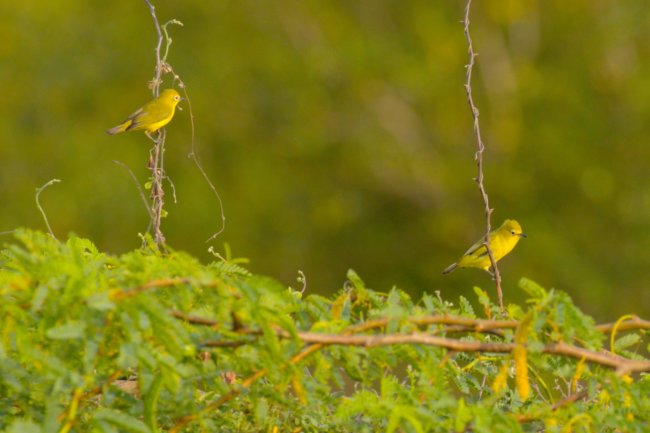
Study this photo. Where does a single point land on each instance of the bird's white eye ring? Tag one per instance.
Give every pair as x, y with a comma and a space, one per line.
513, 232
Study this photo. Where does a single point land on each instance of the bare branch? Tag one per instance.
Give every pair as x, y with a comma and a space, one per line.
633, 323
156, 165
464, 323
153, 284
194, 320
621, 364
317, 341
479, 153
155, 84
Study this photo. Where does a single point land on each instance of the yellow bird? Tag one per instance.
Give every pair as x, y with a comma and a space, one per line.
152, 116
502, 241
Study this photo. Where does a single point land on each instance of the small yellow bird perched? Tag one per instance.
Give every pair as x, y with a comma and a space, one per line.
502, 241
152, 116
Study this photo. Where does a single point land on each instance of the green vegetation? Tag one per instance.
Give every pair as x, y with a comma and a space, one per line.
337, 136
337, 128
145, 342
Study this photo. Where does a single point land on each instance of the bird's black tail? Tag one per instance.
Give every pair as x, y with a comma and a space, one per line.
450, 268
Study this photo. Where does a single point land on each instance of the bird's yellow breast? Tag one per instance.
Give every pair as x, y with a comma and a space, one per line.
154, 126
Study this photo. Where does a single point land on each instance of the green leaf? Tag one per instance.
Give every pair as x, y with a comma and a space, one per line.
121, 420
532, 288
399, 412
39, 297
482, 295
626, 341
23, 426
151, 401
463, 416
356, 281
68, 331
100, 301
465, 307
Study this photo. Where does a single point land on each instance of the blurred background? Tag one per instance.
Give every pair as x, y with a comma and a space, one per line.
338, 135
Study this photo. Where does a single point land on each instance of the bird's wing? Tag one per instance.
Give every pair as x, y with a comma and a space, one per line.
477, 250
134, 118
154, 112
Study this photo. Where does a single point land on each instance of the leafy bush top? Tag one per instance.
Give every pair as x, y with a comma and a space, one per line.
148, 342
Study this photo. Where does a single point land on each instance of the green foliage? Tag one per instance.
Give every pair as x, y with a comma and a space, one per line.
338, 122
101, 343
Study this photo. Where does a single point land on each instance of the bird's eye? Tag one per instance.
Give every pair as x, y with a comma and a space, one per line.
512, 232
176, 98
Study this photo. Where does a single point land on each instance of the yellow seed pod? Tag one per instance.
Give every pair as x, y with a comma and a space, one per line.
576, 377
299, 389
501, 381
604, 398
521, 372
520, 356
550, 423
627, 379
627, 400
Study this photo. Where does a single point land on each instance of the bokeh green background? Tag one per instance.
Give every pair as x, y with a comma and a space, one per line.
339, 136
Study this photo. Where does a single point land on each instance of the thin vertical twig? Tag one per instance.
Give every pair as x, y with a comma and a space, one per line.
159, 67
157, 190
157, 154
137, 185
40, 208
478, 156
194, 156
156, 161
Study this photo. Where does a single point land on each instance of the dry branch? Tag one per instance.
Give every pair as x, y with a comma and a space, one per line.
631, 324
156, 159
153, 284
158, 150
621, 364
451, 323
479, 153
316, 341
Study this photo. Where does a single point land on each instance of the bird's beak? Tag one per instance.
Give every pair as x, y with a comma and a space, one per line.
522, 235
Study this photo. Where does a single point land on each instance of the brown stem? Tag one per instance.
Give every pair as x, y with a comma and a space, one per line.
316, 341
633, 323
156, 164
479, 153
